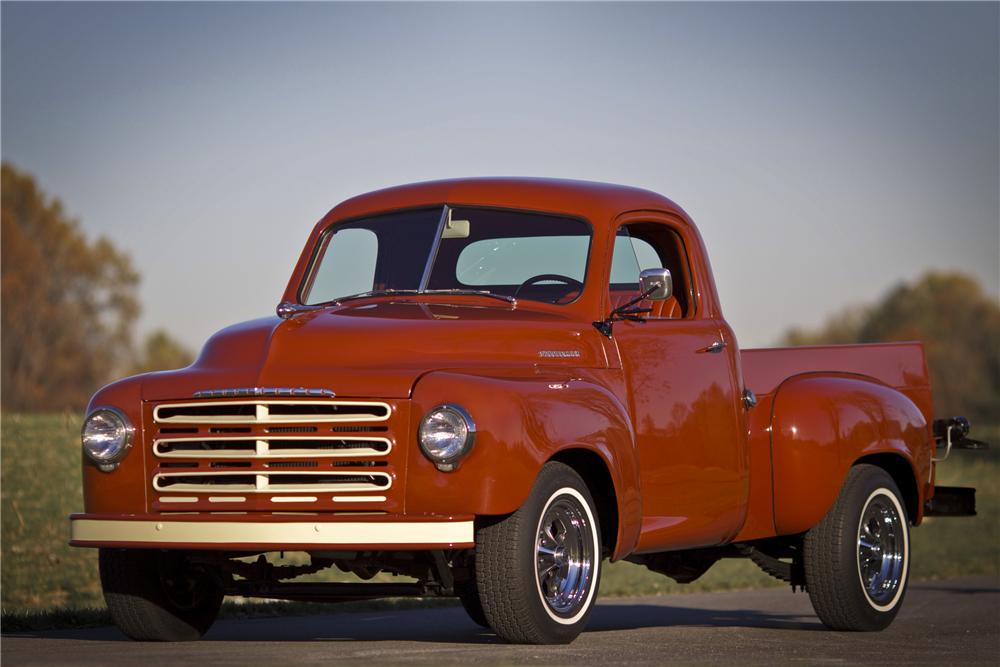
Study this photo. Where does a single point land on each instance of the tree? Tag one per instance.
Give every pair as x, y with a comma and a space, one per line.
162, 352
958, 324
68, 304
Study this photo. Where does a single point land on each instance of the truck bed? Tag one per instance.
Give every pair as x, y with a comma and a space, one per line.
899, 365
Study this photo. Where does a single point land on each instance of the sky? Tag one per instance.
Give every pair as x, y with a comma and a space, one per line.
827, 152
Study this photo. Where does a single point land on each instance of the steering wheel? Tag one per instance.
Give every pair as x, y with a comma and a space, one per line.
557, 277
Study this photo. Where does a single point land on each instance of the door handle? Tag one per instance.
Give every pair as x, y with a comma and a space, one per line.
714, 348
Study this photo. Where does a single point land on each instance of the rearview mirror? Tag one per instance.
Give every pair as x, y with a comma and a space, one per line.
455, 229
657, 280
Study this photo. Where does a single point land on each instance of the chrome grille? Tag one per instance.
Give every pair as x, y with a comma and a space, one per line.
265, 412
251, 455
271, 481
271, 447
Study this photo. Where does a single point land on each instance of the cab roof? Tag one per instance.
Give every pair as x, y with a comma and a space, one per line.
597, 202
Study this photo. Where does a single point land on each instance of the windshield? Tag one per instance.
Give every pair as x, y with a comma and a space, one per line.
458, 250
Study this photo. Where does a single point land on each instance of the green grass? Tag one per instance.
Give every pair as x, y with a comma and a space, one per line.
40, 487
952, 547
44, 582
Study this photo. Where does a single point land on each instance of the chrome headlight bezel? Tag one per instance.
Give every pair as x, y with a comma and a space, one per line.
125, 436
446, 459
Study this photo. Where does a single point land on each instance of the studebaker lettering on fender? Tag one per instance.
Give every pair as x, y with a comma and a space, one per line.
491, 386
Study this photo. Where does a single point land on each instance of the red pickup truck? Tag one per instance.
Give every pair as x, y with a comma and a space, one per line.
489, 386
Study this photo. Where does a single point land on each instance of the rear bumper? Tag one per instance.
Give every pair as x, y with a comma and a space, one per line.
271, 532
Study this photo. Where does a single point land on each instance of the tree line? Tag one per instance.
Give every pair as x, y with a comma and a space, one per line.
958, 324
69, 306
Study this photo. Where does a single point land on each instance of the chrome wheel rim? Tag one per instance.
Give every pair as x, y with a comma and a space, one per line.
564, 556
881, 549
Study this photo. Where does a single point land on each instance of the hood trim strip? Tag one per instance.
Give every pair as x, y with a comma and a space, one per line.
264, 391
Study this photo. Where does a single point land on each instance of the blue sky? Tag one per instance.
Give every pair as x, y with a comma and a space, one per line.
826, 151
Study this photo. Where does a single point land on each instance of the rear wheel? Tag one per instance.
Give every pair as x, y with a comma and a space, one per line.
158, 596
538, 569
857, 559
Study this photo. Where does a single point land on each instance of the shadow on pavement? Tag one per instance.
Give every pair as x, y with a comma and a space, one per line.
449, 625
628, 617
947, 587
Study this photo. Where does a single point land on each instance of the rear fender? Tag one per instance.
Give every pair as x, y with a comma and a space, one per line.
822, 424
521, 423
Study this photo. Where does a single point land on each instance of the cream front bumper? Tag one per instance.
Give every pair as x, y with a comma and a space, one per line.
275, 533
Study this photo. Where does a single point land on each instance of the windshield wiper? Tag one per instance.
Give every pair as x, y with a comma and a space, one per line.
377, 292
411, 292
473, 292
626, 311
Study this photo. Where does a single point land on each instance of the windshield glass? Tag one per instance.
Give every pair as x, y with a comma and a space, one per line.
506, 253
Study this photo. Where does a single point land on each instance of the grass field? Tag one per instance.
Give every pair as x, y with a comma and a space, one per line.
41, 487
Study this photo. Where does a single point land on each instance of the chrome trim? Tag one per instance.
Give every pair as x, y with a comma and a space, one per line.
260, 448
566, 558
263, 479
656, 284
429, 266
262, 413
108, 465
449, 464
264, 391
287, 309
882, 549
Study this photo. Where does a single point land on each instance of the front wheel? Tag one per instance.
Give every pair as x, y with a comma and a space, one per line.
538, 569
158, 596
468, 595
857, 560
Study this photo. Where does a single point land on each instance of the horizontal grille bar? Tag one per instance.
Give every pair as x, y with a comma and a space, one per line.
268, 412
271, 447
271, 482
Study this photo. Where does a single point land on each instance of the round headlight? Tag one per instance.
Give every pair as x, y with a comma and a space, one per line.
106, 436
446, 435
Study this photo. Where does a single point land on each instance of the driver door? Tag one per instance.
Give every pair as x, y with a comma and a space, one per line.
678, 369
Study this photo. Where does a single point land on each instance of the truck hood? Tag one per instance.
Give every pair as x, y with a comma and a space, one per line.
379, 349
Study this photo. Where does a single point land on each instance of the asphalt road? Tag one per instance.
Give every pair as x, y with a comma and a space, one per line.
941, 623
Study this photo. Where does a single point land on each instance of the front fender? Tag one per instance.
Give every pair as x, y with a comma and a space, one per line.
123, 490
521, 423
821, 425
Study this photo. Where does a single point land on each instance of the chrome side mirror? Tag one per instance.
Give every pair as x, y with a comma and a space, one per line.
656, 284
287, 309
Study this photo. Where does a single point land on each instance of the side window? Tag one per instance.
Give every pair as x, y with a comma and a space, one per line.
631, 256
649, 245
